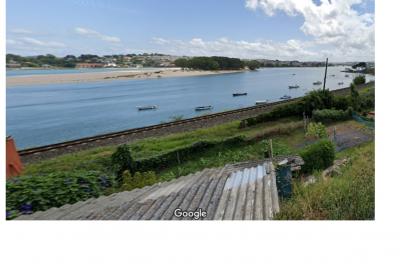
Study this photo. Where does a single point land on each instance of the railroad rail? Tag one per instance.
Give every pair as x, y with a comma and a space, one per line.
67, 145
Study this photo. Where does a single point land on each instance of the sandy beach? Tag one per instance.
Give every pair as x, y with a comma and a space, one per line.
106, 76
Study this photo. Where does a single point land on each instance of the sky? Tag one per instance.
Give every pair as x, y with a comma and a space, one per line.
306, 30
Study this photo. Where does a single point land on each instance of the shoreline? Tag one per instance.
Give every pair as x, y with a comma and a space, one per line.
47, 79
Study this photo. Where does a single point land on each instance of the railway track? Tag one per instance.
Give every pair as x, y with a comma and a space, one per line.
109, 136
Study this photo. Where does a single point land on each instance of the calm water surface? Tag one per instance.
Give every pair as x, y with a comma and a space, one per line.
40, 115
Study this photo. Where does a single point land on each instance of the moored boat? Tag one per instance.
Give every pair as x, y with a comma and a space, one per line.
294, 86
149, 107
239, 94
262, 102
285, 97
340, 83
201, 108
317, 83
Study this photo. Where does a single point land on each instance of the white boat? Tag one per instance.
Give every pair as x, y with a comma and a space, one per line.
294, 86
262, 102
201, 108
285, 97
317, 83
147, 107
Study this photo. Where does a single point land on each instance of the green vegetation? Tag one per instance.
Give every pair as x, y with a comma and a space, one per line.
317, 100
138, 180
216, 63
347, 196
359, 80
210, 63
31, 193
331, 115
318, 156
316, 130
252, 64
121, 161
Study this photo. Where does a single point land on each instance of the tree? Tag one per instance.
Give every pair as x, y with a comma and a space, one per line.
253, 64
359, 80
121, 160
354, 97
318, 99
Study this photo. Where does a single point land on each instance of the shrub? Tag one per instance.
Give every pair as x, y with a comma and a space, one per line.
367, 101
354, 97
286, 110
318, 99
359, 80
139, 180
317, 130
341, 102
32, 193
318, 156
121, 160
330, 115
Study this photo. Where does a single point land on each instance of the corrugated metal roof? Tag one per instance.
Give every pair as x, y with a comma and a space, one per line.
245, 191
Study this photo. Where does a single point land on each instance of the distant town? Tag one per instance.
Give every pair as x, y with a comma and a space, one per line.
136, 61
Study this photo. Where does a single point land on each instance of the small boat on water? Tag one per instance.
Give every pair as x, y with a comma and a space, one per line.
317, 83
285, 97
346, 75
140, 108
239, 94
340, 83
293, 74
294, 86
203, 108
262, 102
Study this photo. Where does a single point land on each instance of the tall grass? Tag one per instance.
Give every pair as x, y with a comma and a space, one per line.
348, 196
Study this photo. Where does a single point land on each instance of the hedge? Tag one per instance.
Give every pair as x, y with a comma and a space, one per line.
176, 156
331, 115
292, 109
318, 156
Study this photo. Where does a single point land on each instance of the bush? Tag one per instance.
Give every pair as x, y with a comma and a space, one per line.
27, 194
139, 180
359, 80
330, 115
318, 99
287, 110
121, 160
317, 130
318, 156
354, 97
341, 102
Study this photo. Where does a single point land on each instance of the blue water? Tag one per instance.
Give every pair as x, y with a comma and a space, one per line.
40, 115
29, 72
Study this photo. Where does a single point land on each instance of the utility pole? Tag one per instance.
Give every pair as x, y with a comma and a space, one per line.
326, 69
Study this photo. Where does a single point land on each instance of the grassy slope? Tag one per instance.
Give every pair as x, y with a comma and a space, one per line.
349, 196
97, 159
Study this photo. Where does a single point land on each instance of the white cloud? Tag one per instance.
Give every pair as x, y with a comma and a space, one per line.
92, 33
332, 23
20, 31
30, 43
243, 49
